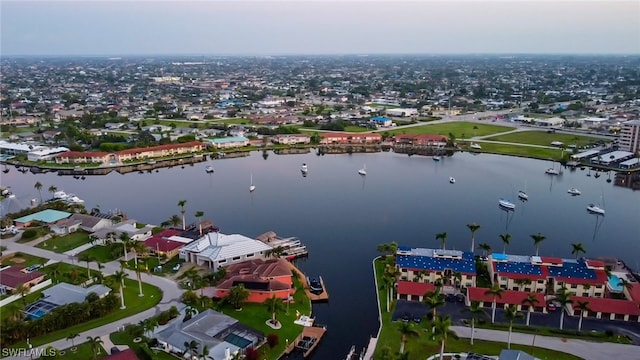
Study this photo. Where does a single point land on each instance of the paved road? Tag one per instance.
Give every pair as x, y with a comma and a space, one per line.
171, 292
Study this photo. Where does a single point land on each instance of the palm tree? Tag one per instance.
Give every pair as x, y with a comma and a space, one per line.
22, 290
473, 227
71, 337
95, 343
486, 248
88, 258
577, 248
237, 296
175, 220
433, 299
506, 238
389, 249
563, 297
531, 302
137, 247
119, 277
148, 325
204, 354
387, 284
38, 186
442, 330
537, 240
126, 242
406, 329
443, 238
52, 190
139, 270
193, 276
191, 347
274, 304
392, 272
511, 314
199, 214
476, 312
181, 204
496, 292
582, 306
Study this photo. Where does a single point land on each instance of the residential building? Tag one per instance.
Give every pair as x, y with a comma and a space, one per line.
48, 216
431, 140
128, 226
507, 298
12, 276
329, 138
88, 223
630, 136
291, 139
83, 157
45, 153
400, 112
381, 121
263, 278
63, 294
166, 243
229, 142
127, 354
134, 154
215, 249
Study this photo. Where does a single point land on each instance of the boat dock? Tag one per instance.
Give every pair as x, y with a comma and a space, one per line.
291, 247
322, 297
307, 340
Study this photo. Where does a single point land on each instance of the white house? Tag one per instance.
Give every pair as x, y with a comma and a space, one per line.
400, 112
215, 249
291, 139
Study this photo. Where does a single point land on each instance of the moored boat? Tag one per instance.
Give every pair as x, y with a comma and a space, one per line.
506, 204
437, 157
209, 169
594, 209
552, 171
574, 191
452, 180
523, 195
304, 168
315, 285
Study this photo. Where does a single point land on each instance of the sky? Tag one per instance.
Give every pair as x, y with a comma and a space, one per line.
145, 27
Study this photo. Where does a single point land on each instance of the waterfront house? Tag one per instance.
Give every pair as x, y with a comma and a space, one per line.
82, 157
229, 142
338, 138
291, 139
215, 249
166, 243
263, 278
160, 151
129, 227
13, 276
606, 308
450, 268
48, 216
430, 140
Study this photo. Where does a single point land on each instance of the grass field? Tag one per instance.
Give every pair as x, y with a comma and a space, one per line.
422, 346
458, 129
518, 150
23, 259
65, 243
83, 352
536, 137
104, 253
122, 338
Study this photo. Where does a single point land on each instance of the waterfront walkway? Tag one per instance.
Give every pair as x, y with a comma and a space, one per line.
587, 350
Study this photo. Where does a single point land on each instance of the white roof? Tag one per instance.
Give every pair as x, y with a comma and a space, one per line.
631, 162
47, 151
19, 146
613, 156
217, 246
181, 239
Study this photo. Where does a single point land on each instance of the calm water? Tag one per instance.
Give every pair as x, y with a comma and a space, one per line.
342, 216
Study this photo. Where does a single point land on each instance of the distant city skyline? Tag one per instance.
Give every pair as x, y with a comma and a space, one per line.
120, 28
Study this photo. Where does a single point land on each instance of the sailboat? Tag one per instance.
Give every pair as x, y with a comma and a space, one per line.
594, 209
252, 187
304, 168
363, 171
522, 194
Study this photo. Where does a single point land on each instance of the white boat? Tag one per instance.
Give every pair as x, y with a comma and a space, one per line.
476, 146
552, 171
304, 168
437, 158
452, 180
60, 195
595, 209
208, 169
363, 171
523, 195
252, 187
504, 203
574, 191
73, 199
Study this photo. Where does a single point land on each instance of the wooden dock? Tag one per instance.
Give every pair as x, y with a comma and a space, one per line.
324, 296
307, 340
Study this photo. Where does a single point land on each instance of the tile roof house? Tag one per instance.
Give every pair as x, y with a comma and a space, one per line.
215, 249
127, 354
12, 276
263, 278
606, 308
166, 243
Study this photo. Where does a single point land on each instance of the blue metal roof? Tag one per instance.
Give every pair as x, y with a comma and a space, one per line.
229, 139
518, 268
380, 119
572, 270
47, 216
465, 265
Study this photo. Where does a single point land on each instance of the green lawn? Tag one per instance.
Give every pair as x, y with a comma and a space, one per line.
356, 129
65, 243
23, 259
422, 346
233, 121
518, 150
83, 352
105, 253
536, 137
135, 304
122, 338
68, 273
152, 262
458, 129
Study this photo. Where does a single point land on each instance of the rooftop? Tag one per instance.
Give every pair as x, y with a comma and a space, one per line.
436, 259
47, 216
509, 297
414, 288
15, 275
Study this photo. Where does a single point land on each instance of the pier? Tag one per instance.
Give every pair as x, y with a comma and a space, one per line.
290, 247
322, 297
307, 340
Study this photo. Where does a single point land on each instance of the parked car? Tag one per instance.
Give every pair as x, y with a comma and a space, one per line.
551, 306
176, 267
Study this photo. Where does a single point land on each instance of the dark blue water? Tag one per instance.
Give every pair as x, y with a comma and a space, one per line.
342, 216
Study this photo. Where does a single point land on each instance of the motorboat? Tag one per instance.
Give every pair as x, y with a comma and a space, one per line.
437, 158
476, 146
251, 186
363, 171
552, 171
60, 195
592, 208
315, 285
506, 204
452, 180
73, 199
304, 168
574, 191
523, 195
208, 169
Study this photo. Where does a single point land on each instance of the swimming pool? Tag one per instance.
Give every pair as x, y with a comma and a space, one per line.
614, 283
238, 341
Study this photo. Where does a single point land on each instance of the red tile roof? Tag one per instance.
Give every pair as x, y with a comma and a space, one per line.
160, 147
634, 291
595, 263
260, 268
414, 288
551, 260
82, 154
609, 306
509, 297
351, 135
127, 354
160, 241
253, 283
13, 276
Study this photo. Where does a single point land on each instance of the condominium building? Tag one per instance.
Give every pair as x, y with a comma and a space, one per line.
630, 136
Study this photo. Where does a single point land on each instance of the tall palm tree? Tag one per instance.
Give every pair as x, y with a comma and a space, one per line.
193, 276
443, 238
511, 314
22, 290
274, 304
393, 273
506, 238
577, 248
95, 343
204, 354
88, 258
175, 220
496, 292
182, 204
387, 284
199, 215
406, 329
52, 190
476, 312
531, 302
139, 269
473, 227
486, 248
71, 337
433, 299
388, 249
442, 330
118, 278
537, 240
564, 298
582, 306
137, 247
38, 186
126, 243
